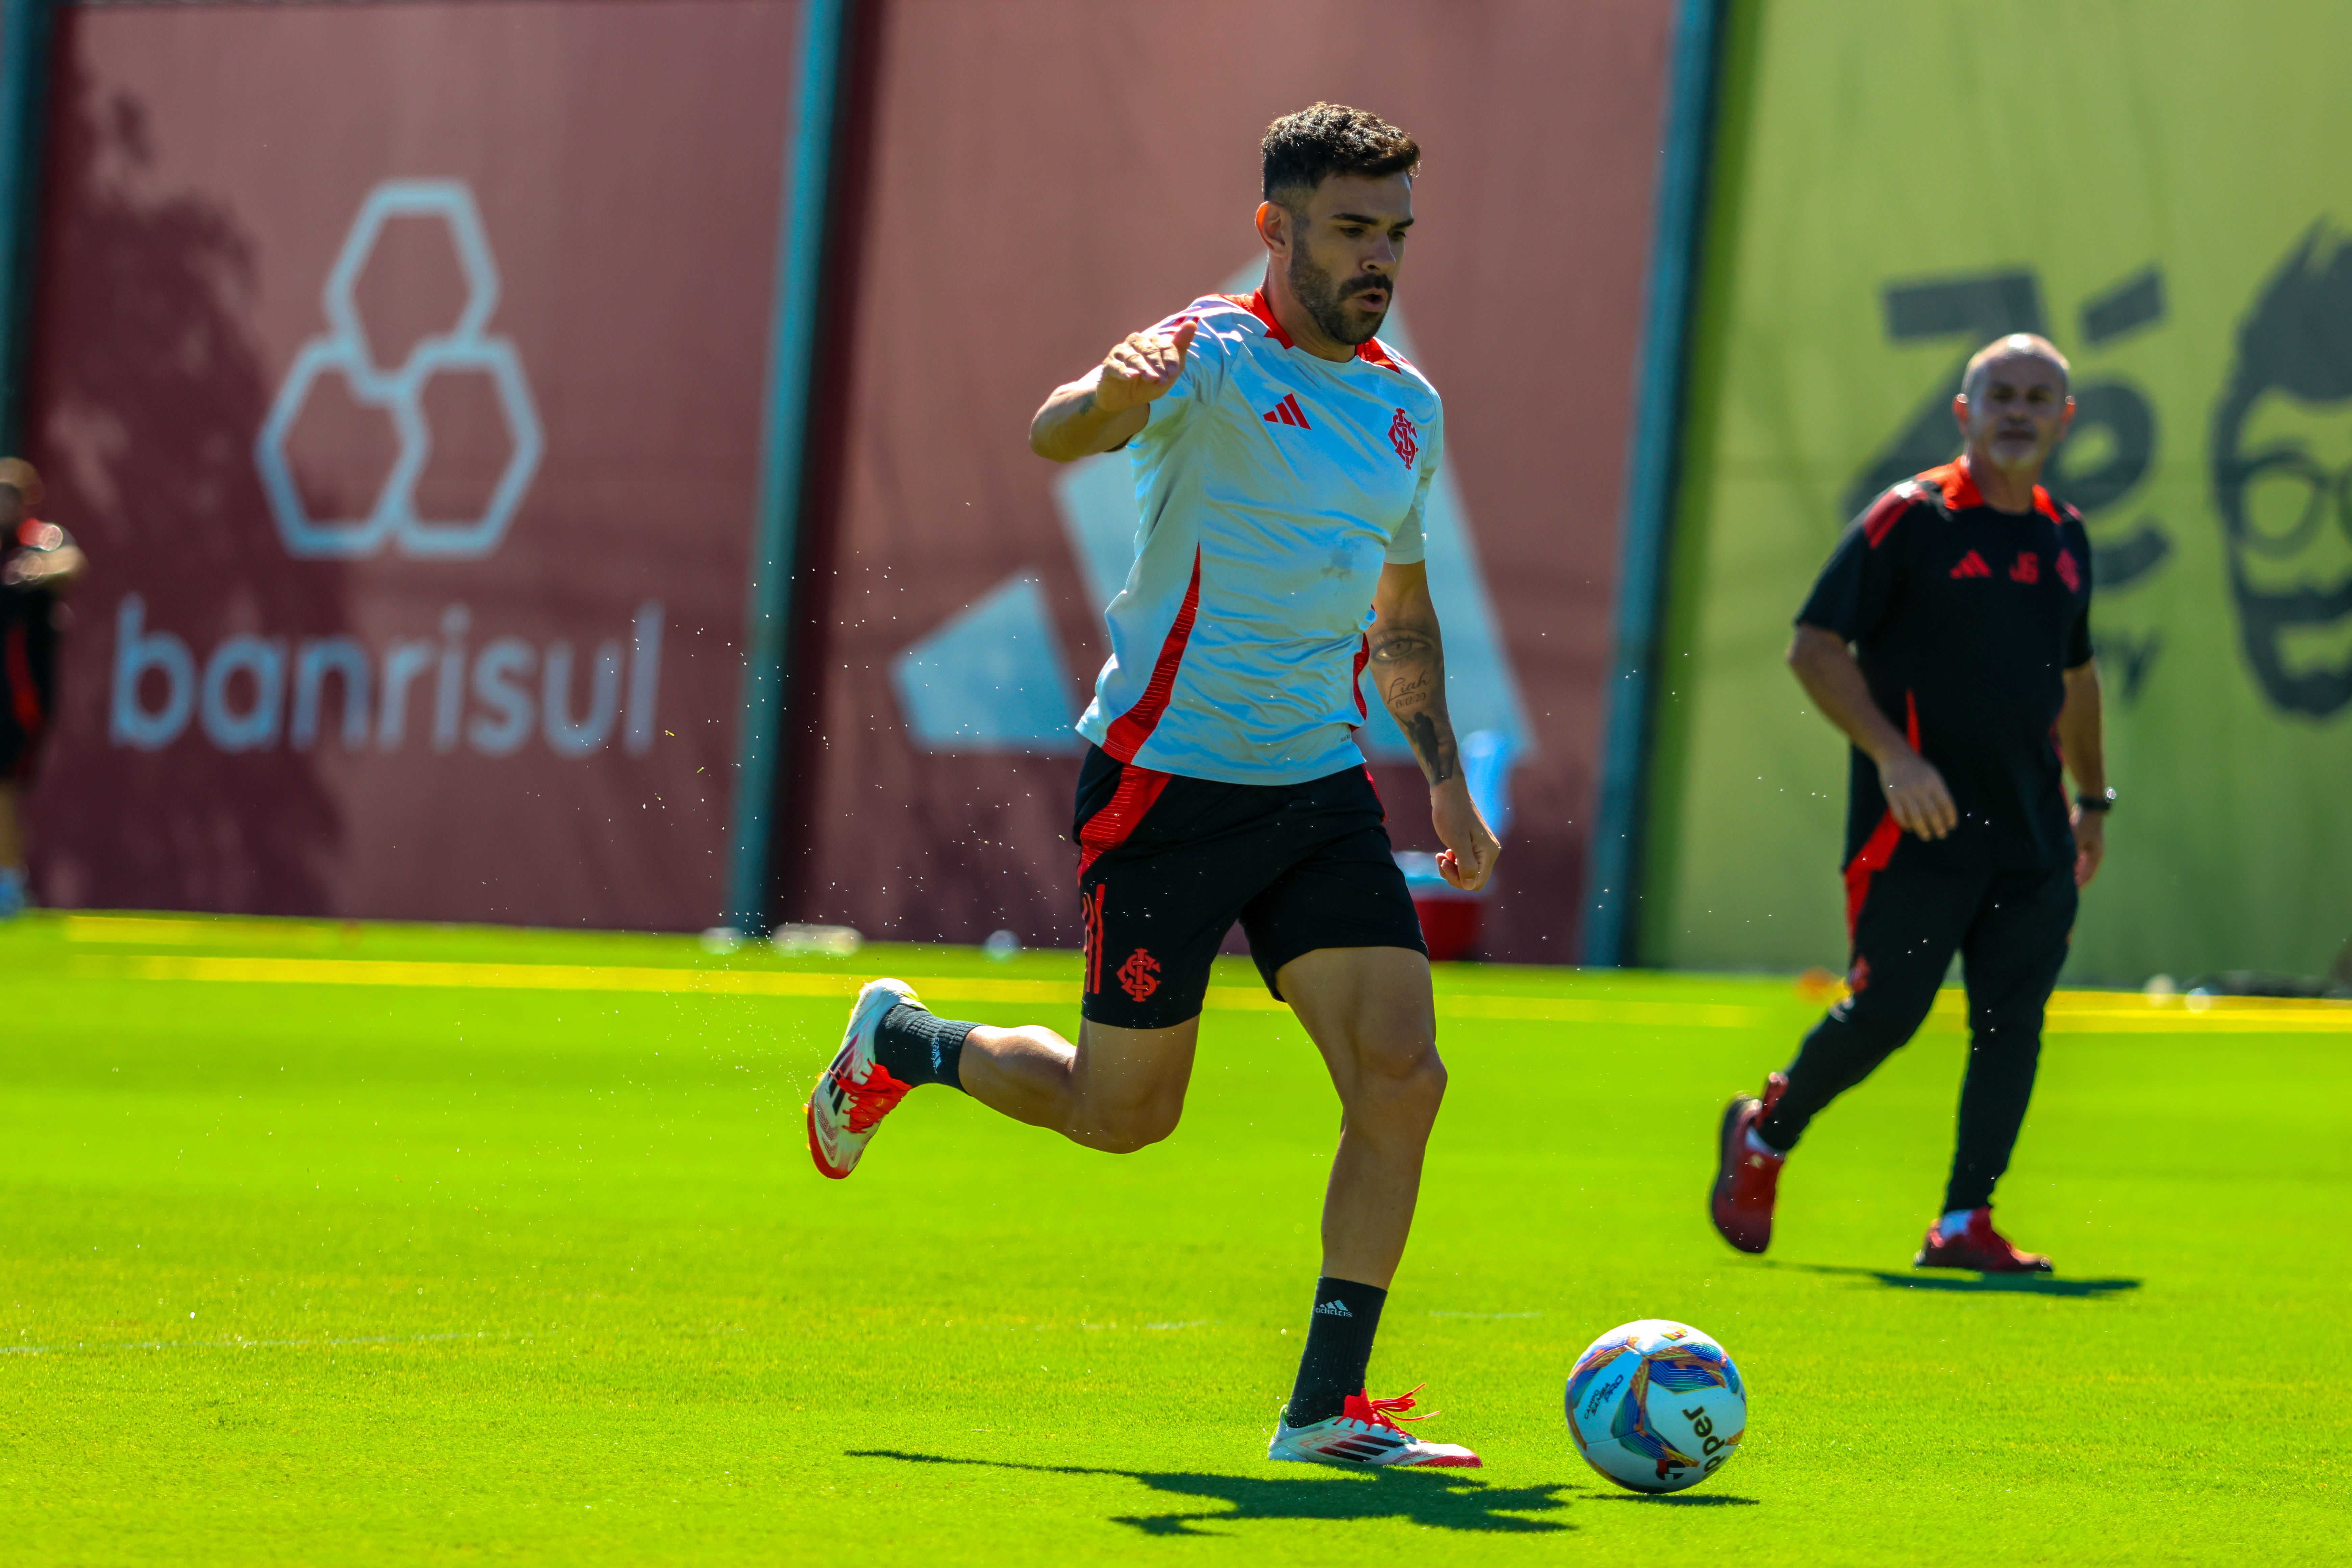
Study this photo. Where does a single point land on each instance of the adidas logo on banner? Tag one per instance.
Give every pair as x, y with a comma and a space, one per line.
1287, 411
1330, 1308
1972, 565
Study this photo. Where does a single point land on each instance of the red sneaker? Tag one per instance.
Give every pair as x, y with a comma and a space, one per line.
1745, 1180
1978, 1246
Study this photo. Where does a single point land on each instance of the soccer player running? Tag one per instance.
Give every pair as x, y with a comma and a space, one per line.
38, 562
1950, 637
1283, 459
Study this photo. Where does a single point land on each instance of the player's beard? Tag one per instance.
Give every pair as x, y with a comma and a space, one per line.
1324, 299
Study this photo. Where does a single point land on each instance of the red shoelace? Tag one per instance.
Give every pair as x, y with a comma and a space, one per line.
874, 1098
1389, 1412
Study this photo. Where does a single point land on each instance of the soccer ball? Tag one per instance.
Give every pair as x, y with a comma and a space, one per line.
1656, 1405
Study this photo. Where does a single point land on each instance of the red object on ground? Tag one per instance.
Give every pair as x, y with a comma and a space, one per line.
1978, 1246
1450, 926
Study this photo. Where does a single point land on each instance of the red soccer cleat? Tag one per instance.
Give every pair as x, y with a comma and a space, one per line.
1745, 1180
856, 1091
1978, 1246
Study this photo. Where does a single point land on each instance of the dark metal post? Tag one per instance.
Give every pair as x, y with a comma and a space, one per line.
793, 332
25, 28
1612, 900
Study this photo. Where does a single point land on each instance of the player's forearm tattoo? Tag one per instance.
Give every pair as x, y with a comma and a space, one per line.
1409, 668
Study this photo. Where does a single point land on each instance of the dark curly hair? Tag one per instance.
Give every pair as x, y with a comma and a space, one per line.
1304, 149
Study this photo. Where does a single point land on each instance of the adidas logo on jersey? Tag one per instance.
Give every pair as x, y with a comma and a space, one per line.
1331, 1309
1287, 411
1972, 565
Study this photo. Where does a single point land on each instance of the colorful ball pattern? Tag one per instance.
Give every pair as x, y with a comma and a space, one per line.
1656, 1405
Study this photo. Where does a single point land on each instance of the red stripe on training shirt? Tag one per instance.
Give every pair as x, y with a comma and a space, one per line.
1884, 512
1131, 729
1114, 824
1356, 682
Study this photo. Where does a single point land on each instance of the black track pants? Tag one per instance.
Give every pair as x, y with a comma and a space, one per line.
2010, 929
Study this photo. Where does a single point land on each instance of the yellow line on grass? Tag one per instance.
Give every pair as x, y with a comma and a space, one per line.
2070, 1011
436, 975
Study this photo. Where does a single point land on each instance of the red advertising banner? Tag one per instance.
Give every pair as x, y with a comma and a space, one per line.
1047, 176
400, 368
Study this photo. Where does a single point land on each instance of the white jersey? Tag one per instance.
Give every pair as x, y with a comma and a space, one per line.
1273, 486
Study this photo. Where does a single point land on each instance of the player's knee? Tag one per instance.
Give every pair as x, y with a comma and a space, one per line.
1889, 1019
1124, 1129
1403, 1083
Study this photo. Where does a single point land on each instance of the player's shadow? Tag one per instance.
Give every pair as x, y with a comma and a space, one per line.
1439, 1499
1978, 1284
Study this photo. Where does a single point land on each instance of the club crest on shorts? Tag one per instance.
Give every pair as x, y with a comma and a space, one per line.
1404, 437
1140, 975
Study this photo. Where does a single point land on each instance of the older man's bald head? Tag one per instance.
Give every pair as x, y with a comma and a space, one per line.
2017, 345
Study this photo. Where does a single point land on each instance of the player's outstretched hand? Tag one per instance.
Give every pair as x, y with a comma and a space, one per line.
1917, 795
1471, 847
1142, 368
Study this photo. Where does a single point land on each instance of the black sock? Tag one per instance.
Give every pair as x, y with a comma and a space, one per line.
916, 1047
1339, 1347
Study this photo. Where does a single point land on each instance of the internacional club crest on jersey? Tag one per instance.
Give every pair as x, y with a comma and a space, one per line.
1405, 436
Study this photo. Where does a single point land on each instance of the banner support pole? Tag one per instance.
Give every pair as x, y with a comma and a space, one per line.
1653, 461
793, 333
27, 27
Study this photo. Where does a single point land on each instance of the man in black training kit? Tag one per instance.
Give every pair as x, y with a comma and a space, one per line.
1950, 637
1283, 460
38, 563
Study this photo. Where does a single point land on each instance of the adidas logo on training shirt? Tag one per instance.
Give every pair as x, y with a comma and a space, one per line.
1972, 565
1287, 411
1330, 1308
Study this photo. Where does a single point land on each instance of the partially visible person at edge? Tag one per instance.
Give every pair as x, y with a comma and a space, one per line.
1950, 637
1283, 459
38, 562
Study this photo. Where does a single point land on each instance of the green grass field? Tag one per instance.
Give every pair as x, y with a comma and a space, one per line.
340, 1244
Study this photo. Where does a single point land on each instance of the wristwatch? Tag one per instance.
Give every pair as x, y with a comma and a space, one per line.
2102, 801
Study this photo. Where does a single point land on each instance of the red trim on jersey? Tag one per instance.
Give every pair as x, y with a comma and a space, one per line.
1131, 729
1960, 486
1371, 351
1887, 509
1256, 306
1114, 824
1879, 849
1960, 492
1355, 680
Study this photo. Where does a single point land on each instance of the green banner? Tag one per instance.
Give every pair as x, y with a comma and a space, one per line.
2159, 187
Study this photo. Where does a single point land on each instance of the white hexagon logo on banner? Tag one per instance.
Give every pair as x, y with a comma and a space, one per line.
399, 392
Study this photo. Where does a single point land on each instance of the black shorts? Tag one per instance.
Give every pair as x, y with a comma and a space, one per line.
1167, 864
